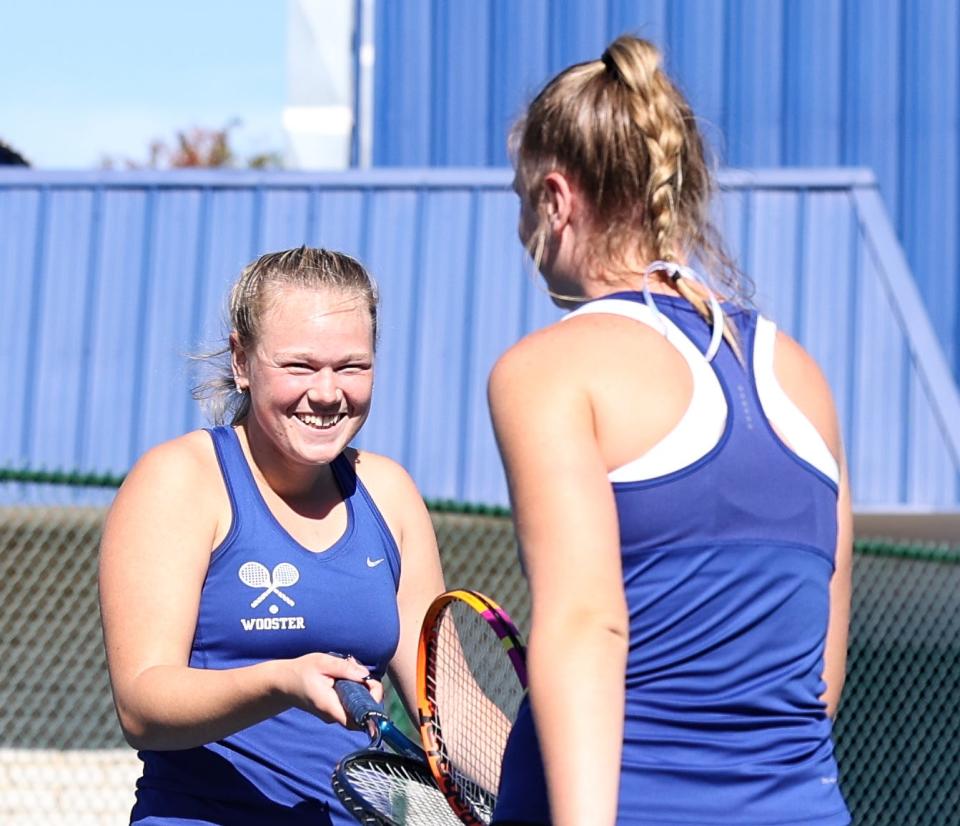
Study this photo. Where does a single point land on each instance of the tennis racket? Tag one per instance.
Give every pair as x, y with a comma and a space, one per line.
471, 677
380, 788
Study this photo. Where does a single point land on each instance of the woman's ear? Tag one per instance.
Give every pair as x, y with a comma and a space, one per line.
558, 200
238, 360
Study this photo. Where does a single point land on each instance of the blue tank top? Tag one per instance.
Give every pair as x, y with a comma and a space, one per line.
726, 569
266, 596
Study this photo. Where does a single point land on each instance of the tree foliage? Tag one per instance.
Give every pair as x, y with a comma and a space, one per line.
198, 148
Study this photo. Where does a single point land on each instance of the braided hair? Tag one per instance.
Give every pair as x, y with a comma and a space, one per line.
622, 131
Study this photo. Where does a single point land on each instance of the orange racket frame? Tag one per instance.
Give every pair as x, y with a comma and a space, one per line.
430, 731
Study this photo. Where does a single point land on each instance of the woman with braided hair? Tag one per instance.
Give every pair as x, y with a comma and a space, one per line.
678, 487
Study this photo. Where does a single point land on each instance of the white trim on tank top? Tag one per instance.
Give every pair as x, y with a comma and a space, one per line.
702, 424
792, 426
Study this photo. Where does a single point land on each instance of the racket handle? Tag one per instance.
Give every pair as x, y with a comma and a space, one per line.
358, 701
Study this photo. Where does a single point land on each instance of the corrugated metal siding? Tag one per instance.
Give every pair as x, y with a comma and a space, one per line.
109, 279
871, 83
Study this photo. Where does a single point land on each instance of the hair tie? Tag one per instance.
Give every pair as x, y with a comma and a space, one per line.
609, 64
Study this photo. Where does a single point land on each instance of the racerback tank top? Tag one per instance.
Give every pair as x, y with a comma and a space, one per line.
726, 570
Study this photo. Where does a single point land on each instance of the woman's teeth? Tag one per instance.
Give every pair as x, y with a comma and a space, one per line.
320, 421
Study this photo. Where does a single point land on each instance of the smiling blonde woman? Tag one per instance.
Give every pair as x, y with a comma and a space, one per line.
236, 559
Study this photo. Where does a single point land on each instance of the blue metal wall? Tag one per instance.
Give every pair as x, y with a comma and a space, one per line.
107, 280
871, 83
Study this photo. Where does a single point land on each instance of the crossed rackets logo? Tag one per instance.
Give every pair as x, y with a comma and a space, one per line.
256, 575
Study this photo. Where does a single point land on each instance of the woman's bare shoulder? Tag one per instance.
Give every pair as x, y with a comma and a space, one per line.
396, 496
582, 353
386, 479
188, 456
805, 383
180, 475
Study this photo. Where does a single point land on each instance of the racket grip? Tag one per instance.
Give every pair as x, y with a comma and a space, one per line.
358, 701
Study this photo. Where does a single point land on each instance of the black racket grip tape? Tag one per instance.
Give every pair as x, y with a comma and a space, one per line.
358, 701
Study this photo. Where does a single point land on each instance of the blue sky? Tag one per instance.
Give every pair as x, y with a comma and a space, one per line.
81, 81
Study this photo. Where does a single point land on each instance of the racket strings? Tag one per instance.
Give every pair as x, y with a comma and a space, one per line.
474, 684
403, 795
476, 794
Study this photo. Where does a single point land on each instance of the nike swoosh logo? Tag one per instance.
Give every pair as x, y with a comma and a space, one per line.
372, 563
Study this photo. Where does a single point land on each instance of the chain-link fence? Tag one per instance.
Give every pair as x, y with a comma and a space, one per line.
62, 759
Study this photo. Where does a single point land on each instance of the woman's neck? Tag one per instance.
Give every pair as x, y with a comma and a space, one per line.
291, 481
607, 280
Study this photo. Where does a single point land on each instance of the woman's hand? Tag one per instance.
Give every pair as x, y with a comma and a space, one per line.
309, 684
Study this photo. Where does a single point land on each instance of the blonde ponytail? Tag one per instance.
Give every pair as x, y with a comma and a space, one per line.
662, 116
623, 132
702, 307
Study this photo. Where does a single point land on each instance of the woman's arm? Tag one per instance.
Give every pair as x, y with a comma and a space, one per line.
421, 578
154, 555
567, 527
804, 382
835, 651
